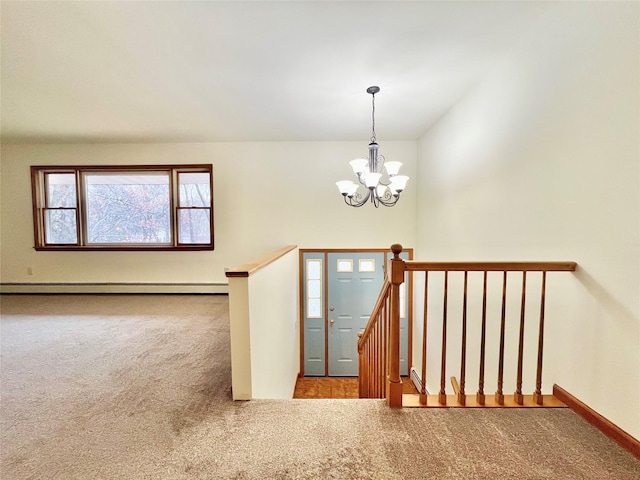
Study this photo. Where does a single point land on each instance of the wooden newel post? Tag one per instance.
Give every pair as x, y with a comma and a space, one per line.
394, 383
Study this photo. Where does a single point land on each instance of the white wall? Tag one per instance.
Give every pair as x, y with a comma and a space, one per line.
266, 195
541, 162
275, 328
265, 331
240, 338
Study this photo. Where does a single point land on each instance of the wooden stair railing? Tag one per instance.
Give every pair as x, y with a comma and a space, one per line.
372, 348
379, 345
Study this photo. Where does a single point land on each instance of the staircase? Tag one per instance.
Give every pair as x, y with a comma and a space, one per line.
451, 335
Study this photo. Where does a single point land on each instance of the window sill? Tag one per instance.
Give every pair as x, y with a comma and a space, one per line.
145, 248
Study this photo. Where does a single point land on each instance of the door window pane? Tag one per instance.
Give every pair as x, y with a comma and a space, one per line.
344, 265
367, 265
314, 309
313, 273
313, 288
313, 269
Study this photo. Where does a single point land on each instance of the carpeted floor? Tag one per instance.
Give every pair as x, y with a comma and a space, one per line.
138, 387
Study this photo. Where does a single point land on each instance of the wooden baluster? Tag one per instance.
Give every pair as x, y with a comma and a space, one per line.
537, 395
365, 372
383, 353
372, 354
381, 359
371, 351
517, 396
463, 361
394, 384
499, 394
442, 395
376, 364
362, 374
423, 381
480, 395
373, 366
379, 347
361, 368
374, 361
385, 348
378, 360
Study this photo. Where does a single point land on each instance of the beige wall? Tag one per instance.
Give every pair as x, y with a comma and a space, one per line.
266, 195
541, 162
275, 328
265, 331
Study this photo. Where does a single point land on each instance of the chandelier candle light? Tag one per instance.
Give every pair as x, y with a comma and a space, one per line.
379, 177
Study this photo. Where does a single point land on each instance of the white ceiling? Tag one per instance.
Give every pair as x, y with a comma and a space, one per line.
188, 71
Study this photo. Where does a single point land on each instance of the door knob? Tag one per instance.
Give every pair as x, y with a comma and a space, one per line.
331, 308
331, 321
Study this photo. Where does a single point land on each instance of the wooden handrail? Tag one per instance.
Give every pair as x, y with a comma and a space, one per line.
413, 266
250, 268
377, 309
386, 315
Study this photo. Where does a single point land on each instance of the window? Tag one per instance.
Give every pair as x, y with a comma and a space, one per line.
123, 208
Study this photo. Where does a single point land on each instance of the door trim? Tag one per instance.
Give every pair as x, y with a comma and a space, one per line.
301, 303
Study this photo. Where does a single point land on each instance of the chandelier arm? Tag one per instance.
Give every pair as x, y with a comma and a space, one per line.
375, 200
387, 197
357, 203
390, 204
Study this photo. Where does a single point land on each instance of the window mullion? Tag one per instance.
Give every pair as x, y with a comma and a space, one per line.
174, 186
80, 209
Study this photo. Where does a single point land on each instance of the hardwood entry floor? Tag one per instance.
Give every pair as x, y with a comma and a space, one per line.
335, 387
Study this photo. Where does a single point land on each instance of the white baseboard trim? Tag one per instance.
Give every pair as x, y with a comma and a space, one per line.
115, 287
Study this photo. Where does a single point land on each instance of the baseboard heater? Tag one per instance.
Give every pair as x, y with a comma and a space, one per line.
416, 379
115, 287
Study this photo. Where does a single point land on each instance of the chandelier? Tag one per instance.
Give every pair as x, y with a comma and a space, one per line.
380, 179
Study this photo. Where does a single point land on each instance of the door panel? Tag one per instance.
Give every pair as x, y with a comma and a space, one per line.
351, 296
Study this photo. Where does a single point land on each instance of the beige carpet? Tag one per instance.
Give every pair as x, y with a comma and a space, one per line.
138, 387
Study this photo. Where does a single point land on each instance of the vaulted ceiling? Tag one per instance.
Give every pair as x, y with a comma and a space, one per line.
188, 71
